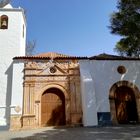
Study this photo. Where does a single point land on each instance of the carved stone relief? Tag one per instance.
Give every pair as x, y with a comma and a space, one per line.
65, 75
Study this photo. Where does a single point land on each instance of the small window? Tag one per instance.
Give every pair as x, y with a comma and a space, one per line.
121, 69
4, 22
53, 70
23, 32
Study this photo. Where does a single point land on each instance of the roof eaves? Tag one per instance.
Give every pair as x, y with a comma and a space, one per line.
117, 58
48, 58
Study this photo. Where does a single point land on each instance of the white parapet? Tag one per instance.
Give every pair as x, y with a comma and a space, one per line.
88, 96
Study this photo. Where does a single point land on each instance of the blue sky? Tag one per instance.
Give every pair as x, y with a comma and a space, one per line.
73, 27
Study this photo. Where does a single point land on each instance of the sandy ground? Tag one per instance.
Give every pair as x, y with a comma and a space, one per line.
125, 132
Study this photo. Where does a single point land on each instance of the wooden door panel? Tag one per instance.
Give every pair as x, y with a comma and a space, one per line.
121, 112
125, 103
52, 109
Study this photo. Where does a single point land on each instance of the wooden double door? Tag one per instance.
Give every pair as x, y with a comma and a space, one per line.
125, 102
53, 108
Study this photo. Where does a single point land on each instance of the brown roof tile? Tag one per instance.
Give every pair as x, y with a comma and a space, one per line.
50, 55
105, 56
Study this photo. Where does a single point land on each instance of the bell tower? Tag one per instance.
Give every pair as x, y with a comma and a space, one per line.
12, 43
12, 31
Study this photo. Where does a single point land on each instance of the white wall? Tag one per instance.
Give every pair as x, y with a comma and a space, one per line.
17, 87
12, 43
11, 39
104, 74
88, 95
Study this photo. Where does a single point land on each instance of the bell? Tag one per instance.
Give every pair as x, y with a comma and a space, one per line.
4, 24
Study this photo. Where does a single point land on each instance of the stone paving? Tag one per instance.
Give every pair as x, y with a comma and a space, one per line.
125, 132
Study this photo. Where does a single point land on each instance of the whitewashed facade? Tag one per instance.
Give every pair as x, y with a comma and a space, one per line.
97, 79
12, 43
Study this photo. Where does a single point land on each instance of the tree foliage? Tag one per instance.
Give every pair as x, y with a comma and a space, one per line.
30, 47
126, 22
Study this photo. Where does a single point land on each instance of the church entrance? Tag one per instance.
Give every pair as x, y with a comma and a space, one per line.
125, 103
53, 108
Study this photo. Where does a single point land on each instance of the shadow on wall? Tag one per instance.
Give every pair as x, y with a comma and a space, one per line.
9, 74
57, 117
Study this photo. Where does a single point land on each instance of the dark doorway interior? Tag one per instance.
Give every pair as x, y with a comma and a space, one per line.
125, 103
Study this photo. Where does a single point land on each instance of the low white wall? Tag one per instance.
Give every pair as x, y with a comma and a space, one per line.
104, 74
11, 91
88, 96
17, 88
5, 91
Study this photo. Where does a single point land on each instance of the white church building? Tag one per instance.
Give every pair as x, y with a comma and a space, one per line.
12, 43
56, 89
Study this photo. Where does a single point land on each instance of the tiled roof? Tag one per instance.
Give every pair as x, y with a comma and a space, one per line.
105, 56
50, 55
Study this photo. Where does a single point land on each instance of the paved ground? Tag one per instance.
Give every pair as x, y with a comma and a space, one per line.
127, 132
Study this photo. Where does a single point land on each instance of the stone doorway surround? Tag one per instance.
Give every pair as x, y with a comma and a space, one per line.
51, 70
136, 92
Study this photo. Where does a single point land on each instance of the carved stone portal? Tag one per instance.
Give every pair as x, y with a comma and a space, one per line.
52, 93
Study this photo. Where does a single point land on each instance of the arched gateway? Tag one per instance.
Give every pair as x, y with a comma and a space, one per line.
52, 92
53, 107
124, 103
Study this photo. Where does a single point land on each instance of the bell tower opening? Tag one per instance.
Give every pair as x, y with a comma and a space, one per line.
4, 22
